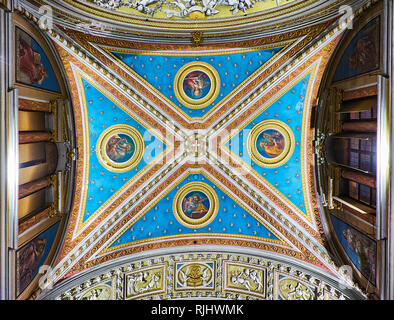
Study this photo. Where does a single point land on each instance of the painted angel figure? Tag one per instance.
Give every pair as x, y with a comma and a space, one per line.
194, 208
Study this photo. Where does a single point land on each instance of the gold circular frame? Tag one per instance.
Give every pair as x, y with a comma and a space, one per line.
285, 154
213, 205
209, 97
120, 166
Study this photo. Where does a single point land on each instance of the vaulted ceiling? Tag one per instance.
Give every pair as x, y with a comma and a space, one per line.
241, 141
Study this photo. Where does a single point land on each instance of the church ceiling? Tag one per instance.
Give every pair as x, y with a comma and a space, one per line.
182, 146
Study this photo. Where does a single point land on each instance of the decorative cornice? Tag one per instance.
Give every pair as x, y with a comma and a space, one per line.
91, 18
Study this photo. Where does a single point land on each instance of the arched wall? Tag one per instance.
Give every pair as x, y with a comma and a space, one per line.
348, 130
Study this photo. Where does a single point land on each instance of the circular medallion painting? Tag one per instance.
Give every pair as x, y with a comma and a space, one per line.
270, 143
120, 148
196, 85
195, 205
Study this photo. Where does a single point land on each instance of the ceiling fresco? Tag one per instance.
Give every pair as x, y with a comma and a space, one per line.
185, 18
195, 149
272, 162
191, 9
182, 146
110, 168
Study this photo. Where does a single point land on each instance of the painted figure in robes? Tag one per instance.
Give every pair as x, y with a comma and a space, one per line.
30, 65
273, 144
28, 260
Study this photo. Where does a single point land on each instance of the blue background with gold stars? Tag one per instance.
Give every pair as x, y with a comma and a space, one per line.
49, 234
160, 71
103, 113
287, 177
160, 220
